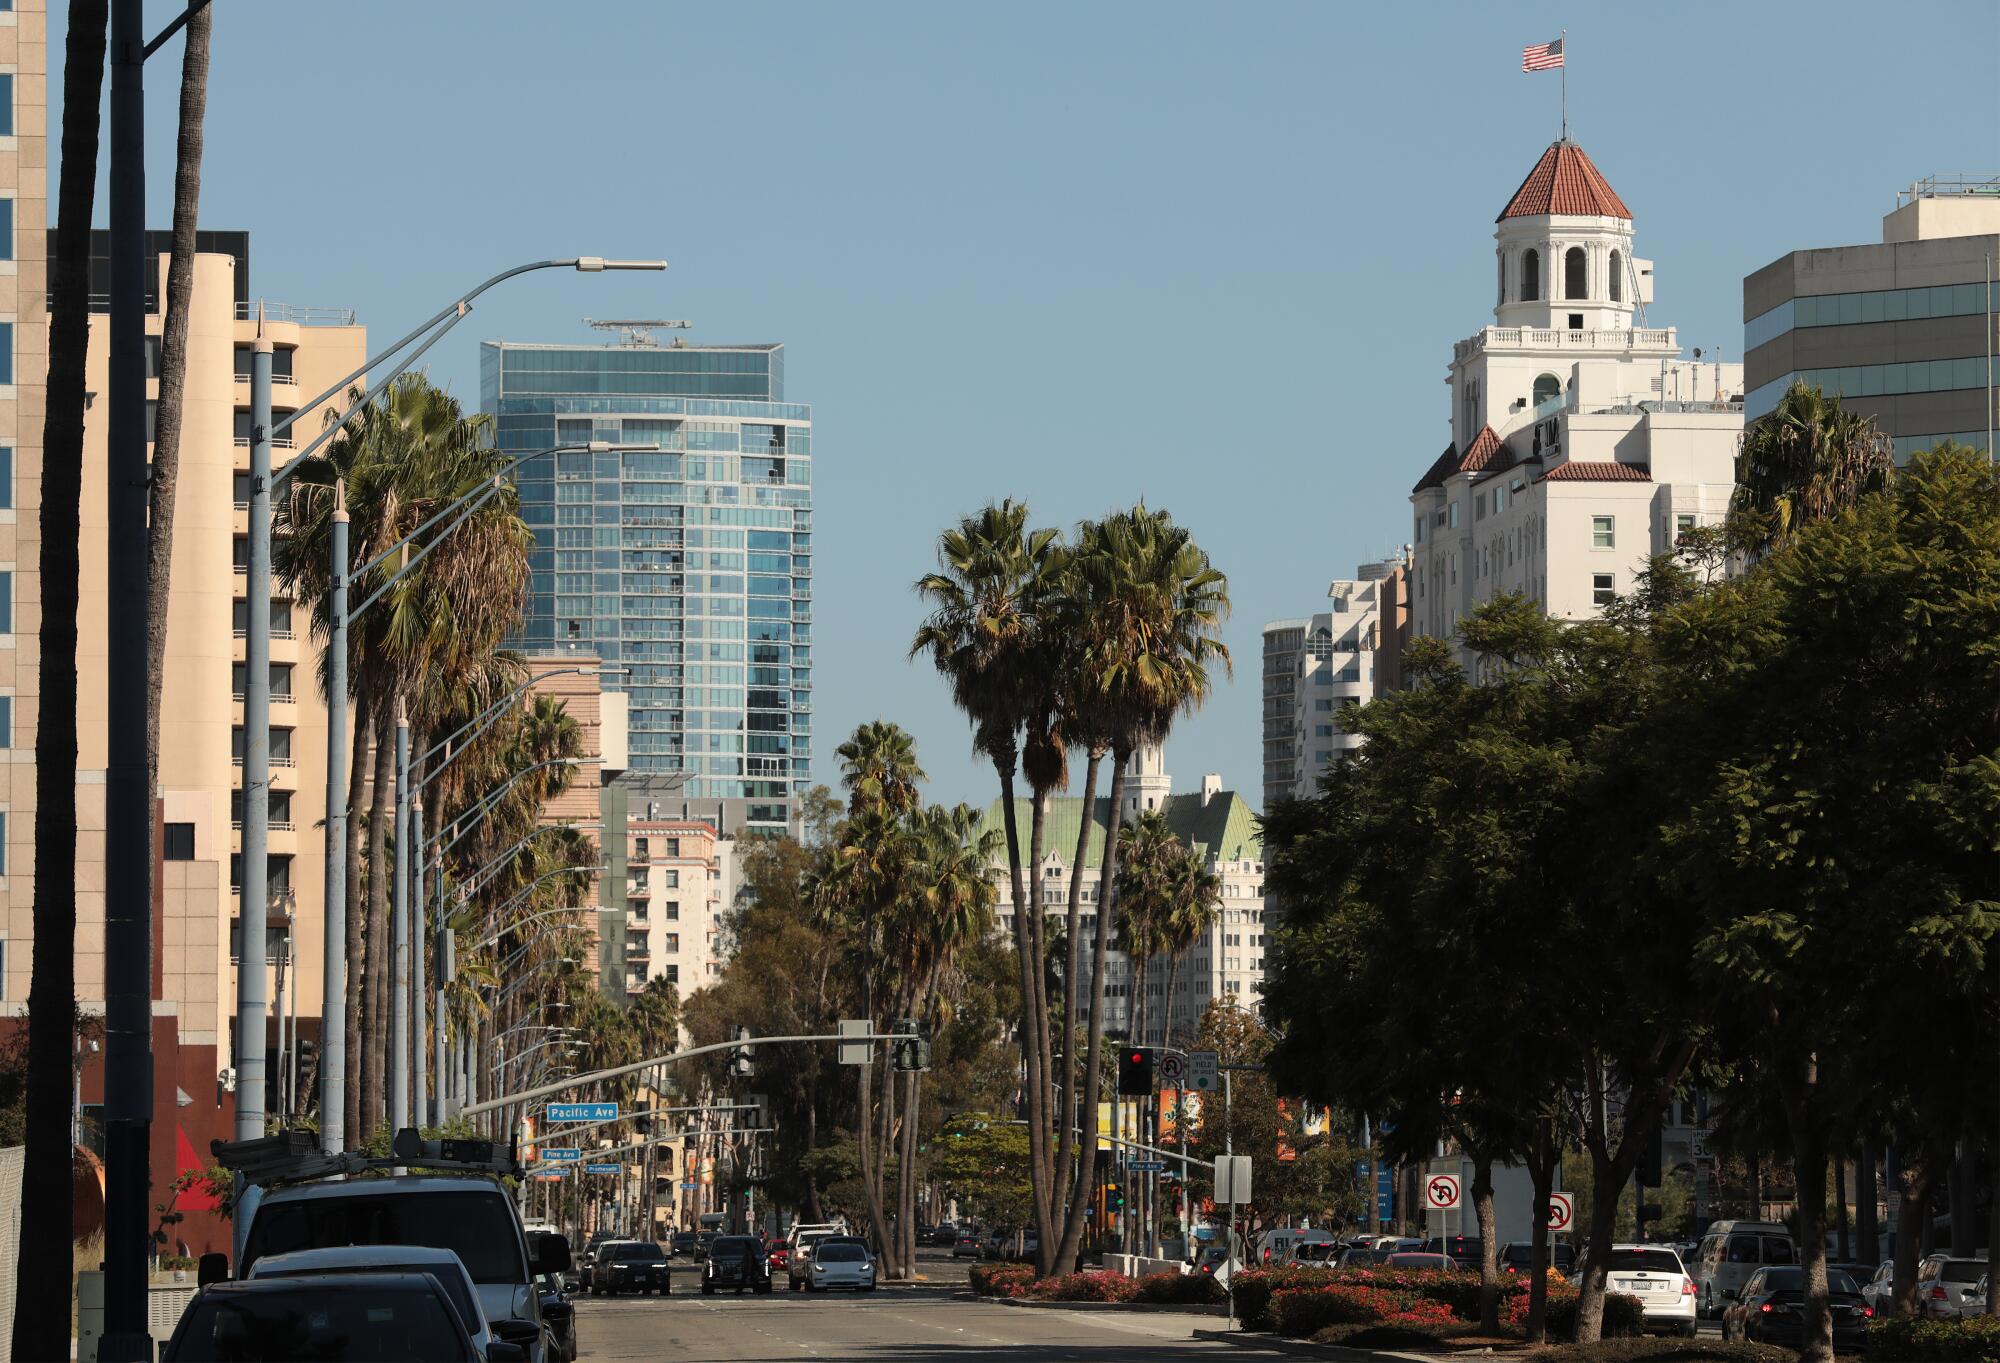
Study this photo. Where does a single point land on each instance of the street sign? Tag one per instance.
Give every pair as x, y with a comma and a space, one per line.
583, 1112
559, 1156
1232, 1178
1441, 1192
603, 1168
856, 1052
1145, 1166
1204, 1071
548, 1178
1562, 1210
1172, 1069
1698, 1145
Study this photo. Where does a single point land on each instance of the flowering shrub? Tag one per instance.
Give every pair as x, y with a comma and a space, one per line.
1318, 1299
1000, 1280
1181, 1289
1100, 1286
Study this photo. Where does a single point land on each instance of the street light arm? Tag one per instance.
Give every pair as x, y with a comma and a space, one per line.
473, 884
291, 465
533, 917
526, 889
488, 802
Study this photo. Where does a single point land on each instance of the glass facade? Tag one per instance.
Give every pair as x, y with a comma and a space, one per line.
1872, 380
688, 562
1875, 305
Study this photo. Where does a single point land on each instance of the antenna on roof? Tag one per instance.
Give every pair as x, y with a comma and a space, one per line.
638, 332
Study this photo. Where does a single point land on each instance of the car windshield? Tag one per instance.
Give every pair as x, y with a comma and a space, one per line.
478, 1226
1645, 1261
386, 1321
738, 1245
841, 1253
635, 1253
1316, 1252
1962, 1270
451, 1280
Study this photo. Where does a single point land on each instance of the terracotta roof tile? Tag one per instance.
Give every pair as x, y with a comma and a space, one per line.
1595, 471
1446, 465
1565, 181
1485, 454
1485, 448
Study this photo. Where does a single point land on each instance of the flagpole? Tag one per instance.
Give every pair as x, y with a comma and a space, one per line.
1564, 68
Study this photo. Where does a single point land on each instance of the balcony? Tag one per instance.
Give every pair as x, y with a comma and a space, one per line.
1654, 339
294, 313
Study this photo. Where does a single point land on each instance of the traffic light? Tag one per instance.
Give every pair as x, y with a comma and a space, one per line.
1135, 1072
913, 1050
761, 1118
742, 1064
1114, 1197
642, 1119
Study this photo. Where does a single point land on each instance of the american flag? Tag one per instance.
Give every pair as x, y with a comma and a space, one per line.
1542, 56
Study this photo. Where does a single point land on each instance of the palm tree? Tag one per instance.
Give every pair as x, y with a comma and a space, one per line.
1197, 895
1148, 855
429, 640
1807, 460
985, 635
46, 1214
878, 768
1146, 608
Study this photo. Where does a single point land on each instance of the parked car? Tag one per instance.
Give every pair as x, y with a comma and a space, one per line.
1464, 1248
967, 1246
441, 1264
737, 1261
1879, 1288
1730, 1254
471, 1216
1770, 1309
558, 1318
841, 1263
1360, 1257
1316, 1254
945, 1233
683, 1242
345, 1315
1973, 1303
1419, 1259
1657, 1277
629, 1266
1274, 1246
1943, 1280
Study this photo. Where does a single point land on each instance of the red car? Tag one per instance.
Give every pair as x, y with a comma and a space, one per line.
781, 1257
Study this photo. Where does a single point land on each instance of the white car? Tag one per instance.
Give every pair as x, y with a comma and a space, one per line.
841, 1263
1657, 1277
1944, 1281
441, 1264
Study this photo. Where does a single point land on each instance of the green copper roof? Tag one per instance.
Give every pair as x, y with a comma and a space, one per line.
1222, 830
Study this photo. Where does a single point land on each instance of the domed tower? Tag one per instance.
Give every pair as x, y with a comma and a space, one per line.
1565, 250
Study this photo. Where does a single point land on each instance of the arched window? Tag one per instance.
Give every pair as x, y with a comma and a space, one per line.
1546, 387
1575, 273
1617, 278
1531, 276
1502, 262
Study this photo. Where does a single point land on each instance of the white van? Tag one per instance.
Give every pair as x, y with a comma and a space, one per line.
1729, 1253
1274, 1247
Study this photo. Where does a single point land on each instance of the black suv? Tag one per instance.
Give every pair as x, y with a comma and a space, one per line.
629, 1266
737, 1261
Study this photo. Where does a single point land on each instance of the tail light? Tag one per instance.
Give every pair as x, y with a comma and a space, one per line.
1765, 1308
1937, 1294
1868, 1313
1687, 1287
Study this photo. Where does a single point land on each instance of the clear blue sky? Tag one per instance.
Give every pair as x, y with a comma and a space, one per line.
1214, 256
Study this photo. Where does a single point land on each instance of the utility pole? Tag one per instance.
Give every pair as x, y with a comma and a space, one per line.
128, 803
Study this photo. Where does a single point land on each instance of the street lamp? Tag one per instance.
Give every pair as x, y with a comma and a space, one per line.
251, 1002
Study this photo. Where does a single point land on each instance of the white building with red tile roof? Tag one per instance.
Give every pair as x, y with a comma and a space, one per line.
1582, 440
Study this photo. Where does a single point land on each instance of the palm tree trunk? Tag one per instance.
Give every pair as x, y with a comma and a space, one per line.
1035, 1081
1107, 896
1038, 934
1173, 978
165, 479
376, 1042
42, 1275
1066, 1115
357, 918
864, 1141
906, 1199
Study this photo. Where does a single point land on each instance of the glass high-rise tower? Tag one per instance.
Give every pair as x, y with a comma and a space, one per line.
689, 563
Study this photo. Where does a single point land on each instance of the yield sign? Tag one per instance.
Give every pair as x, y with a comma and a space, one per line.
1562, 1210
1441, 1191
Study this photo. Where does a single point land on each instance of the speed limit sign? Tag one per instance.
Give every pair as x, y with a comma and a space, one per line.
1562, 1210
1441, 1192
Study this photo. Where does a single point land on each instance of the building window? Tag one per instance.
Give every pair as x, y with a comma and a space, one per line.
1617, 278
1603, 589
1547, 386
6, 229
1451, 516
1575, 274
6, 105
1603, 532
3, 842
279, 809
1531, 275
6, 602
6, 721
1576, 321
1502, 291
177, 842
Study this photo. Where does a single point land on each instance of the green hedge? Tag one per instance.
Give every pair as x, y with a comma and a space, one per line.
1666, 1351
1181, 1289
1903, 1339
1624, 1316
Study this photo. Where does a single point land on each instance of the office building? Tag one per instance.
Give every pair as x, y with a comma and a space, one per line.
1582, 440
1227, 963
687, 563
1313, 666
1900, 329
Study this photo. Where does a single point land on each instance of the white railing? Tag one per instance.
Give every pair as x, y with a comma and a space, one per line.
295, 313
1552, 338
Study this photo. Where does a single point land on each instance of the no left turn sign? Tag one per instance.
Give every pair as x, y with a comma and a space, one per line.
1562, 1210
1441, 1192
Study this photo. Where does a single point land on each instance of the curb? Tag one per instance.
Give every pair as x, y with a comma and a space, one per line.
1156, 1308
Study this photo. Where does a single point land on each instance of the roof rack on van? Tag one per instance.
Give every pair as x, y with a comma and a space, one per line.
295, 1157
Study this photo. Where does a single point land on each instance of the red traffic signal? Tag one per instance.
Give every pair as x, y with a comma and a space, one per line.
1135, 1071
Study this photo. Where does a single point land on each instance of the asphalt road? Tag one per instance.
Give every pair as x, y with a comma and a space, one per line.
922, 1323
